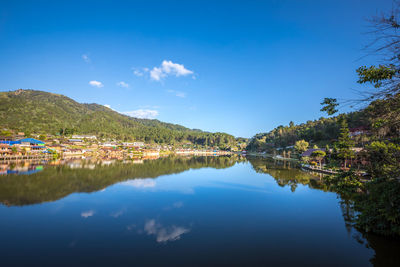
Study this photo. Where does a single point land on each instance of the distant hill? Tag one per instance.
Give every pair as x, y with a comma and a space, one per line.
322, 131
381, 118
42, 112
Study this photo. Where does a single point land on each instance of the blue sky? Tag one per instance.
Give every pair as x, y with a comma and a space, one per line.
241, 67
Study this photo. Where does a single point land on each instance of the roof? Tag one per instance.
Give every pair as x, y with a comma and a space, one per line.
310, 151
10, 142
359, 129
32, 141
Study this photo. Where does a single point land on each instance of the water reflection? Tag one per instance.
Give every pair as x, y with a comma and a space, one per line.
58, 180
164, 233
176, 210
287, 173
87, 214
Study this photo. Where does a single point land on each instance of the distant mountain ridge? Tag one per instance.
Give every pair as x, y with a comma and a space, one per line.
44, 112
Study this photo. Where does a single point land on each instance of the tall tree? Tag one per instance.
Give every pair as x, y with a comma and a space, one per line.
345, 143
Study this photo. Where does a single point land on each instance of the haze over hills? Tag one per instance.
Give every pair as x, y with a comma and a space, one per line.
43, 112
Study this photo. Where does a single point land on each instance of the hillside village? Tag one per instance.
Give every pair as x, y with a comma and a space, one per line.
19, 146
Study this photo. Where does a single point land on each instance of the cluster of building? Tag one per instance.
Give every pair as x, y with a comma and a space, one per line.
23, 146
18, 146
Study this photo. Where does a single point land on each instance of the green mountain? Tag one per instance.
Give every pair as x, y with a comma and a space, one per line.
42, 112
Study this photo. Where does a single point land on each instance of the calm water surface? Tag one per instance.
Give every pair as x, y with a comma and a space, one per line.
179, 211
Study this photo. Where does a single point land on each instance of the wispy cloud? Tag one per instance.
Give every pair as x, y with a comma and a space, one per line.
139, 72
164, 234
138, 113
87, 214
86, 58
169, 68
123, 84
96, 84
177, 93
142, 113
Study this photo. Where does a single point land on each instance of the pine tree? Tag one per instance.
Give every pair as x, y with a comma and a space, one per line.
345, 143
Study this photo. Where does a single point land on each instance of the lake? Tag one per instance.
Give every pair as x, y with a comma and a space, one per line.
188, 211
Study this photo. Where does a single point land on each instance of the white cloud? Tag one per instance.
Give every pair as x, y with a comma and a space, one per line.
142, 113
169, 68
157, 73
123, 84
109, 106
86, 214
139, 113
175, 68
164, 234
177, 93
96, 84
86, 58
138, 73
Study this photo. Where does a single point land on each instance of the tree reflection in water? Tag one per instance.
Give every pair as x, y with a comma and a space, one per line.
53, 182
288, 174
56, 182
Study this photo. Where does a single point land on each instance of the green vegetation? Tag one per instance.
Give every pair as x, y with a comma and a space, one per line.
56, 182
377, 201
301, 146
40, 112
321, 132
345, 143
285, 173
318, 155
371, 186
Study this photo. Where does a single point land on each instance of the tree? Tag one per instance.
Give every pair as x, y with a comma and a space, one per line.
328, 151
345, 143
329, 106
318, 155
5, 133
301, 146
384, 160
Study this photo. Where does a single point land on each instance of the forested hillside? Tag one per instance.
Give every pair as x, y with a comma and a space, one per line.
42, 112
326, 130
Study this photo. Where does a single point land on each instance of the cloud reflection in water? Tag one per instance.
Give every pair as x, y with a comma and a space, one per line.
140, 183
87, 214
164, 234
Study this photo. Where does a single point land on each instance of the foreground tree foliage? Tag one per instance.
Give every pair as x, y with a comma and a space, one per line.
379, 209
375, 198
376, 202
378, 206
